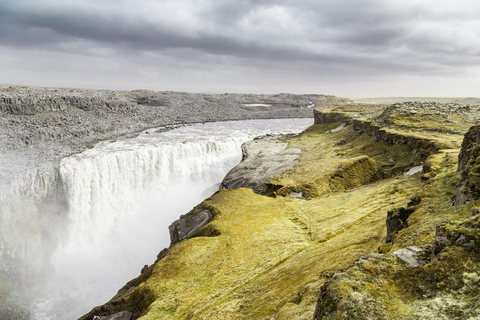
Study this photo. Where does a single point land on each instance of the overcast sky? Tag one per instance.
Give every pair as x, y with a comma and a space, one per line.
350, 48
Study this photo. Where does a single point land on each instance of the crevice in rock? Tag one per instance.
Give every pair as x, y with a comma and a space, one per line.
397, 219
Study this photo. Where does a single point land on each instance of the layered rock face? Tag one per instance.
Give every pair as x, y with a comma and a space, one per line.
34, 116
262, 159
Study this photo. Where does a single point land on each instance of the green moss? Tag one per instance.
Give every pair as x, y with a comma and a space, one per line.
328, 166
382, 287
264, 256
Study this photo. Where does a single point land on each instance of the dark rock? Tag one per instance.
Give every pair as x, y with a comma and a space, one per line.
162, 254
462, 241
331, 117
414, 201
438, 245
187, 225
465, 235
468, 164
397, 220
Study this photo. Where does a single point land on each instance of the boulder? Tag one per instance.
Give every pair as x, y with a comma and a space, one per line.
188, 224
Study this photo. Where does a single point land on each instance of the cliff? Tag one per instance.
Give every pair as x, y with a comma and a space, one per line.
360, 225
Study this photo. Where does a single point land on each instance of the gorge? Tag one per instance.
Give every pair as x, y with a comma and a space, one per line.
55, 208
121, 197
371, 213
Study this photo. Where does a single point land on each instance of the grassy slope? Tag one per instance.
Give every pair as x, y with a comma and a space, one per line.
271, 249
262, 256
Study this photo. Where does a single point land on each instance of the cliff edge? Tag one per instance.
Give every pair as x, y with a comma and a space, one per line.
361, 226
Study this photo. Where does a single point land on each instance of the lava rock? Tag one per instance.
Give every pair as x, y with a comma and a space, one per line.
187, 225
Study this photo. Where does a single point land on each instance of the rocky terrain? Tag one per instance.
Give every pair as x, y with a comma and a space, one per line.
371, 213
40, 126
63, 121
376, 219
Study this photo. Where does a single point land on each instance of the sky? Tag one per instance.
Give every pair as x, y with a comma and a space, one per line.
348, 48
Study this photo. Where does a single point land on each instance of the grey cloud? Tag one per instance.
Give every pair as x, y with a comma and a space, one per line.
346, 37
353, 26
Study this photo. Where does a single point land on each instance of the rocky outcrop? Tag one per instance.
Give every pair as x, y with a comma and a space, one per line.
429, 282
397, 219
322, 117
402, 285
469, 168
262, 159
419, 146
465, 235
188, 224
430, 115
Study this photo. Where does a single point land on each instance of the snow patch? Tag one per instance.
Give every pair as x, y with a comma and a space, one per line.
340, 127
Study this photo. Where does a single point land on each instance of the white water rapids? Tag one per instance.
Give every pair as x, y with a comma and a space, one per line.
123, 195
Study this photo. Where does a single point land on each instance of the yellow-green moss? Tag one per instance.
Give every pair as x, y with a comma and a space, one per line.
263, 256
340, 161
383, 287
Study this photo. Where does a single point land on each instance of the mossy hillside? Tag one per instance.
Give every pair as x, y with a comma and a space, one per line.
269, 254
436, 204
430, 116
445, 119
339, 161
401, 121
447, 287
262, 256
268, 251
383, 287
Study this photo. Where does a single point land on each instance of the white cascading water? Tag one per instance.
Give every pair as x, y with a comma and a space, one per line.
123, 195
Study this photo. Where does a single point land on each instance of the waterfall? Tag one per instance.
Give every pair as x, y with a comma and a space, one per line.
121, 196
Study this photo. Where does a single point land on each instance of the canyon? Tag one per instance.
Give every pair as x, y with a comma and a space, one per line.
369, 213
